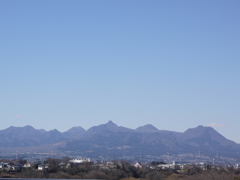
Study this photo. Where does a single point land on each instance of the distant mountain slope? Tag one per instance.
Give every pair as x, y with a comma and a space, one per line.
75, 133
207, 139
116, 140
19, 136
206, 133
28, 136
149, 140
128, 143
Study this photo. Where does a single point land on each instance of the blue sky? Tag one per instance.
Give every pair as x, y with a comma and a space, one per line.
172, 64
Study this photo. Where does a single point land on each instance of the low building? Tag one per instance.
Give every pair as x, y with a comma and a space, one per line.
170, 166
27, 165
138, 165
41, 167
108, 166
16, 167
80, 161
3, 165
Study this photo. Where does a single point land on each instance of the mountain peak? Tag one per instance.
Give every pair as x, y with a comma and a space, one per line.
147, 128
207, 135
199, 130
111, 124
28, 127
75, 132
77, 128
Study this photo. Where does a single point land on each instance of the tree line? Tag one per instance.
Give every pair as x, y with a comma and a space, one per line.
62, 169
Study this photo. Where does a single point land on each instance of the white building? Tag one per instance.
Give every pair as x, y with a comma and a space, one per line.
79, 161
170, 166
41, 167
138, 165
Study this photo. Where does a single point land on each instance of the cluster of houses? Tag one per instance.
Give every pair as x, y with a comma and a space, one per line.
18, 167
107, 165
41, 167
174, 165
10, 167
184, 167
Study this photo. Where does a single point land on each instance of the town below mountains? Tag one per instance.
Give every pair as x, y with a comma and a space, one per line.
116, 142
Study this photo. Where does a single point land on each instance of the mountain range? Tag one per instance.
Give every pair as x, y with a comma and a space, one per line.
116, 141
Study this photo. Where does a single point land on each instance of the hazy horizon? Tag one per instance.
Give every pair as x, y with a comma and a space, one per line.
110, 121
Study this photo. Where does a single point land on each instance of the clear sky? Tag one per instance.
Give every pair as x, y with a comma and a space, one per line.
173, 64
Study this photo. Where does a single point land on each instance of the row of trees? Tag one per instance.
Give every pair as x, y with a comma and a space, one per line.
88, 171
121, 170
